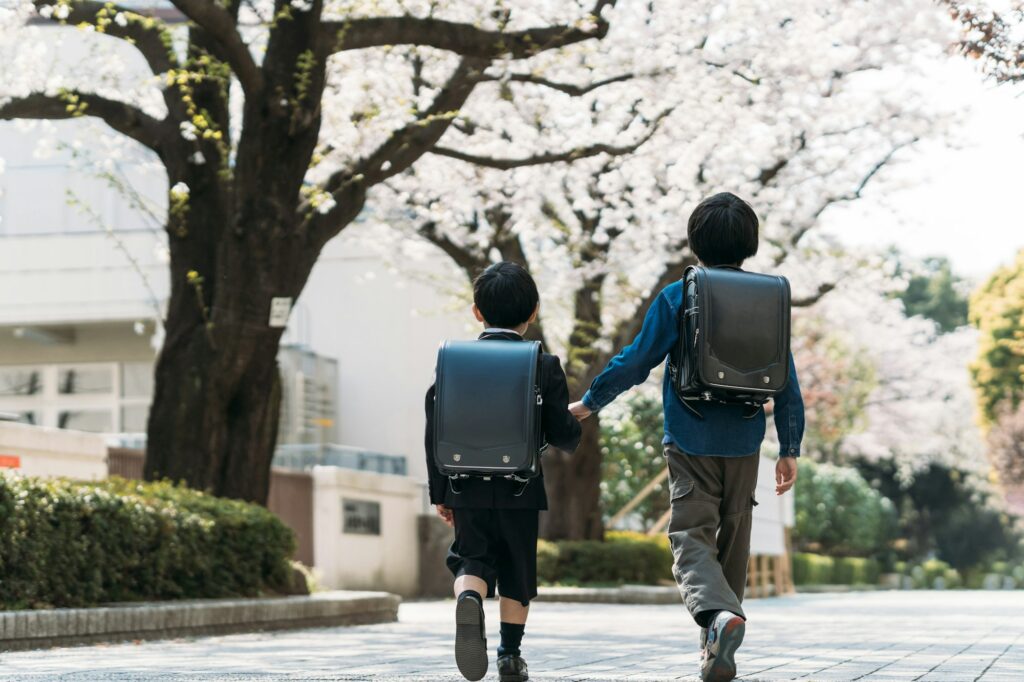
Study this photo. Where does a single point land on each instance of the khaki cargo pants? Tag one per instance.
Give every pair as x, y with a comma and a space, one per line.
712, 505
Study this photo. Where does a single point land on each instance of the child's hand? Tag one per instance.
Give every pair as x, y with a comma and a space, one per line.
579, 410
785, 474
446, 514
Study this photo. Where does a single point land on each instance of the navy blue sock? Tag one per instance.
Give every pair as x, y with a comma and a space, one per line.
511, 638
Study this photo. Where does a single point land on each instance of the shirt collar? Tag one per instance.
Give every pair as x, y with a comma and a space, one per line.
500, 330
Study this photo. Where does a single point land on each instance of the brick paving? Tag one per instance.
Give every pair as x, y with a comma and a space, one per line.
929, 636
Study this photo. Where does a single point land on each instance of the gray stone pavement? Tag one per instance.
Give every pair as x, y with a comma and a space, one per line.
928, 636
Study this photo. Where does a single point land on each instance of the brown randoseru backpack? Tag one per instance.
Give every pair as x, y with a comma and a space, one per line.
487, 405
733, 337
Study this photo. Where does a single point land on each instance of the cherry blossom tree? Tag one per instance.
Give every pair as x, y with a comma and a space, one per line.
798, 107
993, 32
273, 119
920, 410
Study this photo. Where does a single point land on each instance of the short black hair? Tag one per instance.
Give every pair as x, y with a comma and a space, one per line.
506, 295
723, 230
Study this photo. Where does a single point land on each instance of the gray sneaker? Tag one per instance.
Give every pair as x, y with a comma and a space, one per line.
724, 637
703, 638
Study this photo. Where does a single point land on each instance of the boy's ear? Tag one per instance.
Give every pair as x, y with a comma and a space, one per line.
536, 312
478, 315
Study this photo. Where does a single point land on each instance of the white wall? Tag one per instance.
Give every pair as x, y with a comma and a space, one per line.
54, 452
388, 561
384, 330
771, 515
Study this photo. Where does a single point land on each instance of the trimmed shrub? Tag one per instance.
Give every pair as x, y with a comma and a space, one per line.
839, 513
622, 558
68, 543
812, 569
856, 571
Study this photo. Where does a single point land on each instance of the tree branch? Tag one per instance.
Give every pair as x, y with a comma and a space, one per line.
570, 89
811, 299
149, 36
400, 150
216, 21
809, 224
122, 117
460, 38
553, 157
469, 262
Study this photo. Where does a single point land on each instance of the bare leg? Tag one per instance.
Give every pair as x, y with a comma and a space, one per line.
472, 582
513, 612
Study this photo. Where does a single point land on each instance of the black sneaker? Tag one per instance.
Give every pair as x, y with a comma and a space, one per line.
724, 637
470, 638
512, 669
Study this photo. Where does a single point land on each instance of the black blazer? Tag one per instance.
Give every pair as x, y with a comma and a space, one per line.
561, 430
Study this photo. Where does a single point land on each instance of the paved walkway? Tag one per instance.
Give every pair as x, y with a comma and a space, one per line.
929, 636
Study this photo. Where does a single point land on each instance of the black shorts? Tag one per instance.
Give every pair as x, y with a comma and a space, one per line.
498, 546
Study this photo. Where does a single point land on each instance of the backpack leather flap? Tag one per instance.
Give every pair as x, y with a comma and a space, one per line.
485, 408
745, 343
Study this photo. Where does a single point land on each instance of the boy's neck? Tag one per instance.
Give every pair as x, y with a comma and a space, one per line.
521, 329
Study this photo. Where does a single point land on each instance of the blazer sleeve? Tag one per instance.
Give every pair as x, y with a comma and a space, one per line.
436, 481
561, 429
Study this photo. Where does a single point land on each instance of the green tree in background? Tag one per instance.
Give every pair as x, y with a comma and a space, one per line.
839, 513
631, 446
997, 310
936, 294
944, 512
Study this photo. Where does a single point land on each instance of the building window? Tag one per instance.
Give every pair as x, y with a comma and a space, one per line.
85, 379
137, 380
96, 421
21, 381
133, 418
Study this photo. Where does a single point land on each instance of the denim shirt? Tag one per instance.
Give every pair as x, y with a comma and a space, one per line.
721, 429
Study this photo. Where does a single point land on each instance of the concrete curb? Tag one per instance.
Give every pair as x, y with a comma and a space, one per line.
627, 594
162, 620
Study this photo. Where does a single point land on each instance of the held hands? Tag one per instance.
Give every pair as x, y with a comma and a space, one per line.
446, 514
785, 474
579, 410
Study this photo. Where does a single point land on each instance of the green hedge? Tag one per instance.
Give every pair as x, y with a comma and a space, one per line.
622, 558
815, 569
67, 543
812, 569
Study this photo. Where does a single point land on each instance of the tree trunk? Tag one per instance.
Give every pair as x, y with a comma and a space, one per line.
574, 489
213, 422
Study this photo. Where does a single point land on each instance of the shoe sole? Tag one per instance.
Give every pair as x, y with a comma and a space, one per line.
723, 668
470, 643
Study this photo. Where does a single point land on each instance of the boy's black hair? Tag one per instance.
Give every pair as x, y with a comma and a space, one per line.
506, 295
723, 230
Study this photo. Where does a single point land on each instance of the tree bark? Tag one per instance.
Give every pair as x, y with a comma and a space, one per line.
573, 483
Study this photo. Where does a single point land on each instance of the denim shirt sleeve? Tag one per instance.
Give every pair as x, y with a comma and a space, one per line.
789, 415
634, 362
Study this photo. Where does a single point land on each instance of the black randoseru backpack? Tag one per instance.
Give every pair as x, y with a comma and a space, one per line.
733, 337
487, 406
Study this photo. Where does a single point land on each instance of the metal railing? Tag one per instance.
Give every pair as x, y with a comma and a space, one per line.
306, 456
303, 456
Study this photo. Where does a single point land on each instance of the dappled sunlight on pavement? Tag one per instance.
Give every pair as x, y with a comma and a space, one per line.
928, 636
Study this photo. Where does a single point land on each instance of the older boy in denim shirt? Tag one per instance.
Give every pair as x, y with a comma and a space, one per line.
712, 454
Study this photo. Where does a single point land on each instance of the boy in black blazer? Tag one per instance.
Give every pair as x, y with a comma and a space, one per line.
496, 519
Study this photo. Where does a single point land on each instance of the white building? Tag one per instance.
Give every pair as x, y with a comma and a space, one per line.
83, 278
